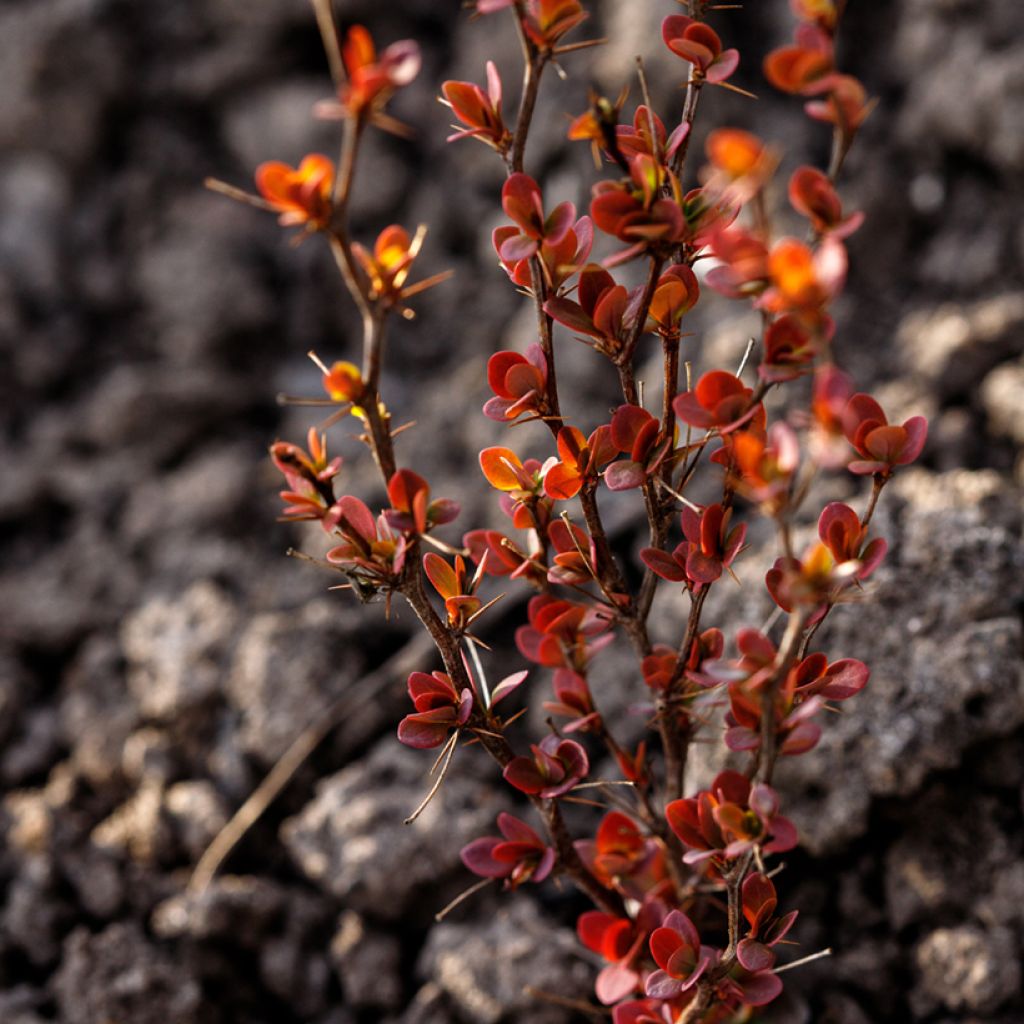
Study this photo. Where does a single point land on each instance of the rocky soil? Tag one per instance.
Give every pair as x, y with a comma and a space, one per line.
158, 653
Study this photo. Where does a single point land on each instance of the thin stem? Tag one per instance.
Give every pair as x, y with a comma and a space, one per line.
675, 742
376, 420
607, 570
534, 62
331, 43
877, 484
768, 751
693, 87
461, 898
629, 348
545, 331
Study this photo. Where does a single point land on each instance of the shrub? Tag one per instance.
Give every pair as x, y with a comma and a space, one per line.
667, 859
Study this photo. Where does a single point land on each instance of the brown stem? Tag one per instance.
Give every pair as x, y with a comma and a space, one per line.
768, 751
534, 62
607, 570
547, 344
377, 421
676, 742
329, 38
693, 1013
669, 389
879, 481
693, 87
637, 329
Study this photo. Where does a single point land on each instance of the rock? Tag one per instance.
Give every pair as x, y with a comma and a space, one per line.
237, 908
841, 1009
352, 842
148, 754
964, 89
197, 813
948, 859
184, 271
281, 927
368, 963
200, 495
274, 123
173, 646
96, 712
35, 193
18, 1005
286, 670
484, 968
35, 916
295, 974
952, 347
138, 828
119, 975
967, 968
1001, 394
35, 749
98, 880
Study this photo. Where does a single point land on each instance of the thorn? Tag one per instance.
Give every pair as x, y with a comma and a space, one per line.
471, 891
318, 362
447, 753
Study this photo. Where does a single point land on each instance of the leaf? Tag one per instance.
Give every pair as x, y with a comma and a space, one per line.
499, 467
761, 988
844, 679
522, 773
441, 575
426, 729
624, 476
478, 856
508, 685
662, 564
754, 956
615, 982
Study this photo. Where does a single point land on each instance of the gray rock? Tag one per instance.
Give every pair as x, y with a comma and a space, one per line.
34, 917
148, 753
352, 842
964, 88
34, 195
35, 749
96, 712
197, 813
119, 974
173, 647
368, 963
239, 908
1001, 394
18, 1005
967, 968
184, 272
948, 860
139, 828
275, 123
484, 969
953, 346
287, 668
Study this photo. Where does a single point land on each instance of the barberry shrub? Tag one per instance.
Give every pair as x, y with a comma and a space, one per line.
665, 859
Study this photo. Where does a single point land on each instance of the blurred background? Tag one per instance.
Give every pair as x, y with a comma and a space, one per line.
158, 652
